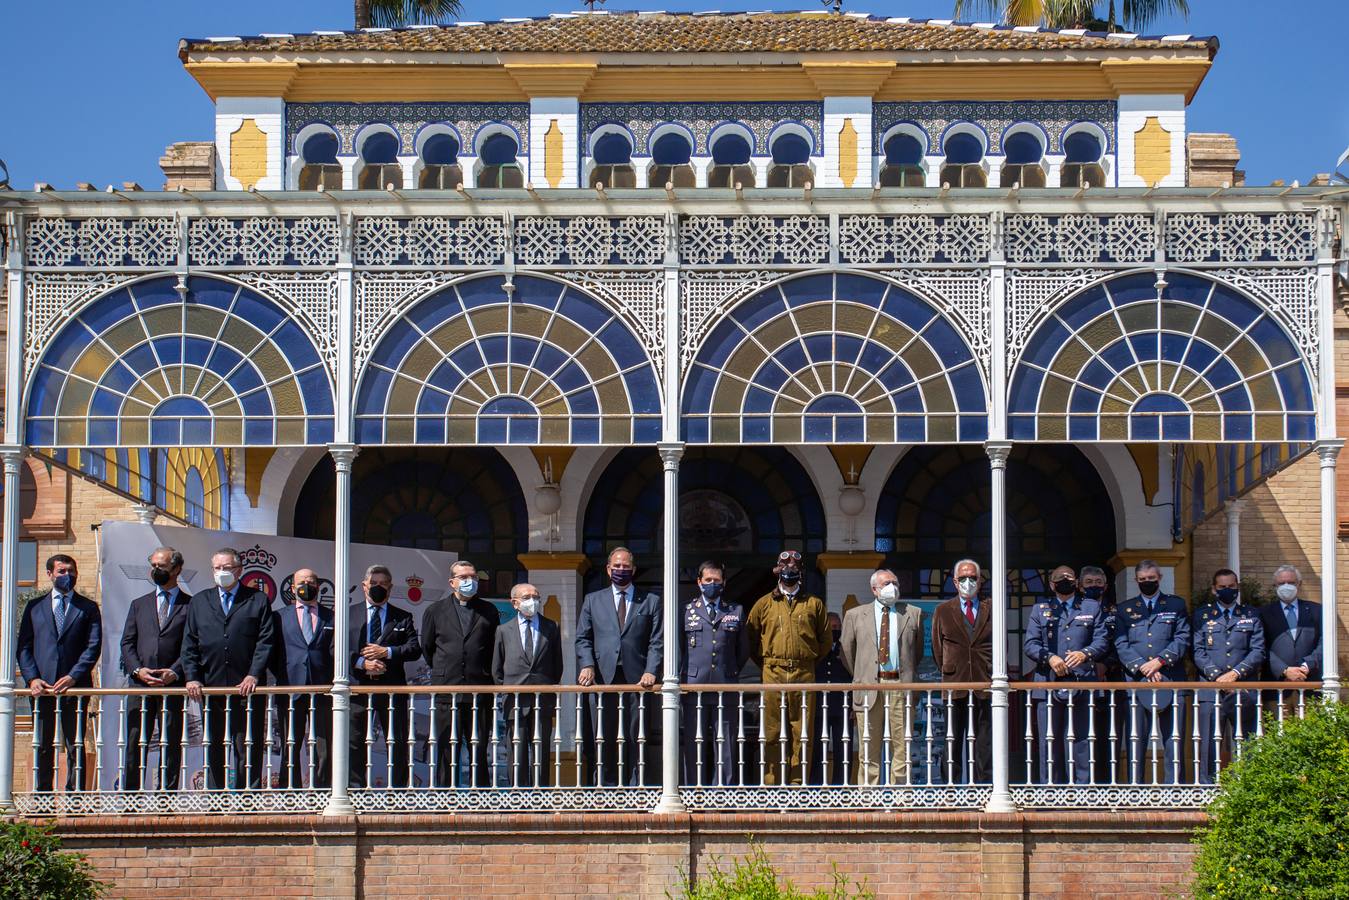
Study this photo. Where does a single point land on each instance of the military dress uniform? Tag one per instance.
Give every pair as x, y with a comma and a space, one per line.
715, 649
787, 639
1110, 711
1145, 631
1057, 628
1226, 640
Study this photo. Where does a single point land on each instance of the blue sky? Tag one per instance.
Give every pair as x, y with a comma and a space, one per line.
95, 90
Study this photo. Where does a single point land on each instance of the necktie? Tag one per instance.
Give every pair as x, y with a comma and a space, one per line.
1149, 607
306, 624
969, 611
163, 609
1290, 613
60, 613
375, 628
226, 601
622, 609
529, 642
885, 639
1227, 615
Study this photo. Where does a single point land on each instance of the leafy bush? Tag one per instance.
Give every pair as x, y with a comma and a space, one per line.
754, 878
33, 866
1280, 823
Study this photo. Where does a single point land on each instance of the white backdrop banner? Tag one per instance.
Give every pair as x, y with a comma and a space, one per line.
420, 577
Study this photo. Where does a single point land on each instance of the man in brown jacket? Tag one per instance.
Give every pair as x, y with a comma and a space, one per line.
962, 648
788, 633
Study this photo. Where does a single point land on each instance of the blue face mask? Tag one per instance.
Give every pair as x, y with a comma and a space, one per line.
710, 591
1093, 593
468, 587
1227, 596
64, 583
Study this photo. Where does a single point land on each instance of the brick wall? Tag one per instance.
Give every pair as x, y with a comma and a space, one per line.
918, 854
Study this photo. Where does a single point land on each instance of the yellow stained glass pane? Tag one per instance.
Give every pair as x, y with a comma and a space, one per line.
460, 431
403, 396
1216, 332
1054, 395
1208, 428
1071, 359
1101, 333
941, 429
891, 333
814, 318
615, 431
75, 398
725, 431
1265, 395
1052, 428
134, 432
422, 361
787, 429
921, 361
290, 432
286, 399
70, 431
1246, 356
880, 429
596, 362
1112, 428
1269, 428
399, 430
1179, 317
1139, 318
489, 320
555, 431
229, 432
613, 398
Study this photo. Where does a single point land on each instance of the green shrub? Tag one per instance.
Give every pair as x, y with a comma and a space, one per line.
1280, 823
754, 878
33, 866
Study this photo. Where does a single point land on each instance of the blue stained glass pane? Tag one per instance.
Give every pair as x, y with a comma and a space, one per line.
499, 150
612, 149
508, 406
1297, 392
440, 150
1022, 148
622, 345
755, 312
1235, 399
1200, 356
373, 391
875, 357
491, 431
1179, 286
973, 428
947, 343
819, 429
695, 429
257, 404
584, 312
432, 403
1271, 339
1237, 310
549, 360
730, 150
570, 377
646, 431
1118, 357
319, 431
434, 310
1173, 346
1237, 427
102, 432
1133, 289
296, 346
1085, 308
1084, 400
1048, 340
584, 403
770, 376
1301, 428
494, 349
820, 347
522, 431
181, 406
256, 312
165, 432
168, 350
158, 292
698, 389
1145, 345
468, 358
245, 378
791, 150
909, 400
909, 309
196, 351
1175, 428
847, 347
318, 398
487, 291
41, 434
320, 148
1222, 374
671, 149
910, 429
395, 345
1097, 375
758, 400
1160, 403
963, 148
1081, 428
369, 431
1025, 390
850, 429
197, 433
69, 344
1082, 147
642, 391
719, 345
969, 389
380, 148
903, 150
42, 395
832, 404
851, 288
521, 349
585, 431
792, 356
108, 312
1145, 427
756, 429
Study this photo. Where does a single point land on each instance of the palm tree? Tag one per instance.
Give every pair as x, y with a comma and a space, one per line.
1073, 13
397, 13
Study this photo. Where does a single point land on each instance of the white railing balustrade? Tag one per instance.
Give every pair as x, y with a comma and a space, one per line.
886, 746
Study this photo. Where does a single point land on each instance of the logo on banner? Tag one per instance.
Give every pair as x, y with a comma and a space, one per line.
258, 564
414, 589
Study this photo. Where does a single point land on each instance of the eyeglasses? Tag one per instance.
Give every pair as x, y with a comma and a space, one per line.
529, 597
787, 556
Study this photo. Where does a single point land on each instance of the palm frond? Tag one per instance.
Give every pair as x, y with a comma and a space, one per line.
1139, 14
401, 13
973, 9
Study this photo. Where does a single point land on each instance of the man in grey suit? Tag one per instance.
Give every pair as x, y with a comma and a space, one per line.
882, 641
1292, 638
620, 640
529, 651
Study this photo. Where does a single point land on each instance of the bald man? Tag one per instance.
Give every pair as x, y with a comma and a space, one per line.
305, 657
529, 651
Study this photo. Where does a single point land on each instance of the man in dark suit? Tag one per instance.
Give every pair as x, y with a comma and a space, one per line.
383, 639
152, 649
229, 641
620, 640
1152, 639
962, 648
305, 658
458, 635
529, 651
1292, 638
60, 635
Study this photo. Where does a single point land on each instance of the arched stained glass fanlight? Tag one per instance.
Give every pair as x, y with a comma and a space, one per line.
194, 486
543, 364
1203, 362
142, 366
833, 359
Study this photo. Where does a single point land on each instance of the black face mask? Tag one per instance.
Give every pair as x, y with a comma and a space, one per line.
1148, 588
790, 576
1228, 595
1063, 586
159, 576
1093, 592
377, 593
837, 636
305, 591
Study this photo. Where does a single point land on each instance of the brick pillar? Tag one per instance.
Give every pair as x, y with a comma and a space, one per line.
189, 164
1002, 857
1211, 161
335, 860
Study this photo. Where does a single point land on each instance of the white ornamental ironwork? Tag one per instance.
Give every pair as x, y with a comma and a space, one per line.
51, 299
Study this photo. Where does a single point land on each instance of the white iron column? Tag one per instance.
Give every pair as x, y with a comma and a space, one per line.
1329, 450
340, 802
1001, 800
1234, 508
671, 451
343, 453
11, 453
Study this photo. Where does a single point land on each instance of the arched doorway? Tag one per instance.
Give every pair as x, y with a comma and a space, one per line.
740, 506
462, 501
935, 510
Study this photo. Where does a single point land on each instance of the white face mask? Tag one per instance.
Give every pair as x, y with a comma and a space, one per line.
529, 607
1287, 592
888, 594
967, 586
225, 578
467, 587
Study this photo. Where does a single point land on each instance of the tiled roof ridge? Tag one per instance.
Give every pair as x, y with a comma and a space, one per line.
1096, 38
